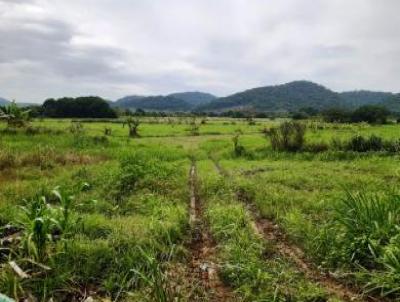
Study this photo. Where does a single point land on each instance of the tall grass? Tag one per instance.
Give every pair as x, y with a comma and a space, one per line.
289, 136
369, 222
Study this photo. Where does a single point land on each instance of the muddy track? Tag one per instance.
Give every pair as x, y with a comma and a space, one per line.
203, 270
271, 232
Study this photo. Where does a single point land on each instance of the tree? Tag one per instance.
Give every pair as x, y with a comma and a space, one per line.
336, 115
133, 125
15, 116
81, 107
372, 114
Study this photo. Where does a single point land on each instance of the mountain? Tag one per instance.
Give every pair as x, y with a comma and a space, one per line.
392, 103
182, 101
4, 102
281, 98
354, 99
194, 98
153, 103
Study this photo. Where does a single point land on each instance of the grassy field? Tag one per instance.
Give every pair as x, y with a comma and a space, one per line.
189, 213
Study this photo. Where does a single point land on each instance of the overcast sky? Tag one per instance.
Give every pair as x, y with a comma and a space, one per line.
112, 48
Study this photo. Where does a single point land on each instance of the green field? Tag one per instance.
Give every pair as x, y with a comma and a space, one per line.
174, 215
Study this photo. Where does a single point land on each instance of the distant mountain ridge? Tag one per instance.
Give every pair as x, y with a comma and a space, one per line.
182, 101
297, 95
287, 97
4, 102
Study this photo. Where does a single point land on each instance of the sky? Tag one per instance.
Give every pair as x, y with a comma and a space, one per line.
113, 48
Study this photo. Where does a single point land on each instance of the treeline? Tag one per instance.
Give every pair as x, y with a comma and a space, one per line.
96, 107
80, 107
372, 114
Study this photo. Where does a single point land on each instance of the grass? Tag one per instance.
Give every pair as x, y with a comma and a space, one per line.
116, 226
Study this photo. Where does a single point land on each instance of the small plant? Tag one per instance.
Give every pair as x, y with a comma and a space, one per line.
43, 223
289, 136
77, 128
250, 121
194, 128
107, 131
238, 149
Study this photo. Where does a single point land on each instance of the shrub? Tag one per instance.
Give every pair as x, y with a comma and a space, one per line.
289, 136
392, 146
360, 144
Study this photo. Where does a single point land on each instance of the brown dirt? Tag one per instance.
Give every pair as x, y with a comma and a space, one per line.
202, 268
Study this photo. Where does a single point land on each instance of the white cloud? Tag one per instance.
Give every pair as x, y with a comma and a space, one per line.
52, 48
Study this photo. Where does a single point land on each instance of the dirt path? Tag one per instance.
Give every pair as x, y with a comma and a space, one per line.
271, 232
203, 271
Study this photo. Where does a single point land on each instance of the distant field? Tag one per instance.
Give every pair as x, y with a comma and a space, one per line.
180, 214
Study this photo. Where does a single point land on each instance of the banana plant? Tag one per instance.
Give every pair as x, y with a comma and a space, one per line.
14, 115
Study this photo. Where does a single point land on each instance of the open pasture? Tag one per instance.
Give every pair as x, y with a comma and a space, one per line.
197, 210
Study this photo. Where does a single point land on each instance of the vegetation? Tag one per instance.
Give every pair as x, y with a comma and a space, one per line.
371, 114
289, 136
86, 213
81, 107
15, 116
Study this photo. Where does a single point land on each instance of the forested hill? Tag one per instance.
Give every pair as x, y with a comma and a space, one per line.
392, 103
183, 101
194, 98
287, 97
354, 99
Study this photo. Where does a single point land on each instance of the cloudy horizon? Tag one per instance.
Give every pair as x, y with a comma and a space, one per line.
55, 48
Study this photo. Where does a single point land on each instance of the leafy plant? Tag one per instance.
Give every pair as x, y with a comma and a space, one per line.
14, 115
42, 223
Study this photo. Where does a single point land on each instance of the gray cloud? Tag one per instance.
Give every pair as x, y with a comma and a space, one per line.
52, 48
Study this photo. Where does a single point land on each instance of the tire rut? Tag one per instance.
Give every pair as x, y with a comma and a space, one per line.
203, 270
270, 231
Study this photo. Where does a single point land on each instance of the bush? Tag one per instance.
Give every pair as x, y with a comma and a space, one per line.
360, 144
289, 136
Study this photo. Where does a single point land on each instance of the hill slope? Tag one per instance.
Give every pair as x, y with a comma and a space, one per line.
194, 98
354, 99
287, 97
182, 101
156, 103
392, 103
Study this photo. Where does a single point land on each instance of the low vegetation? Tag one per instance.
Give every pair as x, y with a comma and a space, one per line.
88, 213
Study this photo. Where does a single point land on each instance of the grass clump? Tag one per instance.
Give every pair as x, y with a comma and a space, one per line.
288, 136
